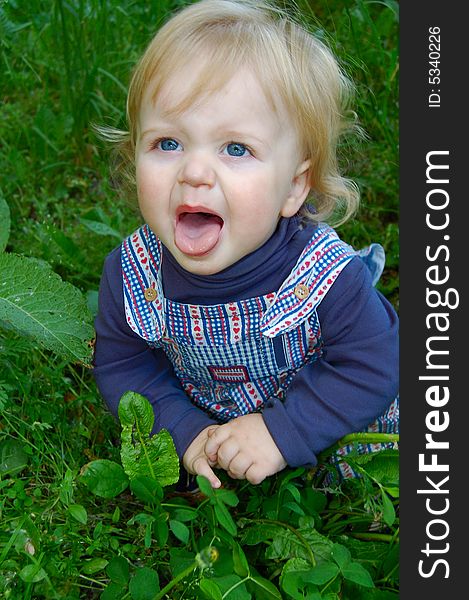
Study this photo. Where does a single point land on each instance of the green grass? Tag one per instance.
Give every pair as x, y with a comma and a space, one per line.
64, 66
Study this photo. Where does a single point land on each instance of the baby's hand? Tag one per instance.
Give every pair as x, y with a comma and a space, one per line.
245, 449
195, 460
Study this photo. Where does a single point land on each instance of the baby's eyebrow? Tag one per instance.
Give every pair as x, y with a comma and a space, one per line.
243, 136
156, 129
147, 132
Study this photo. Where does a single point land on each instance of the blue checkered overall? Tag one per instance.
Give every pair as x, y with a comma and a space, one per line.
232, 358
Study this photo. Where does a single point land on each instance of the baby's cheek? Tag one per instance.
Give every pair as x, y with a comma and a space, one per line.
145, 182
148, 171
258, 227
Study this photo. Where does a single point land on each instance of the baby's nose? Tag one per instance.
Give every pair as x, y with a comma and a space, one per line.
197, 171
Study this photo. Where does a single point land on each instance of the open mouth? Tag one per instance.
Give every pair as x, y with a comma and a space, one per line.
197, 230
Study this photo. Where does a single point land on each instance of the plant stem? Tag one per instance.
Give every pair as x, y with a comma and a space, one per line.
235, 585
374, 537
363, 438
175, 581
328, 584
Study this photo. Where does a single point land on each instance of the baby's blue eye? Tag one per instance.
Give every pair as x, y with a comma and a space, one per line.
168, 145
236, 149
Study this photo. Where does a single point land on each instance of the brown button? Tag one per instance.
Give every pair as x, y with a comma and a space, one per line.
301, 291
150, 294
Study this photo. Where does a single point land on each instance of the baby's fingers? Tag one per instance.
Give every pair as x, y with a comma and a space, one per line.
215, 440
201, 467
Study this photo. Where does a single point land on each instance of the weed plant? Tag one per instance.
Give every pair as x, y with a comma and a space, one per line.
65, 65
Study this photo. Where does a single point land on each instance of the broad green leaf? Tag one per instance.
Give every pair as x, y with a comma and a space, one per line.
179, 560
113, 591
184, 515
287, 545
384, 467
322, 573
268, 588
142, 518
116, 515
314, 500
205, 487
294, 580
392, 491
146, 489
227, 497
144, 584
358, 574
294, 507
240, 563
4, 223
104, 478
233, 583
256, 534
341, 555
78, 512
100, 228
290, 474
225, 519
296, 565
294, 492
373, 553
118, 570
32, 573
180, 530
66, 244
135, 410
293, 585
210, 589
389, 514
161, 530
13, 458
94, 565
306, 522
142, 455
35, 302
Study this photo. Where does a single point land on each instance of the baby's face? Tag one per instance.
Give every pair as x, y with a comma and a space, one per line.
214, 180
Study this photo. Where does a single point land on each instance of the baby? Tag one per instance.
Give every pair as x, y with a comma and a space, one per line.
253, 330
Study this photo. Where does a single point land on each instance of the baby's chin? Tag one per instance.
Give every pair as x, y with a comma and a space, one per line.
203, 265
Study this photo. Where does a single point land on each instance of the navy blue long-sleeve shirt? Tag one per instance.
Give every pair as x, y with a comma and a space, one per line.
352, 383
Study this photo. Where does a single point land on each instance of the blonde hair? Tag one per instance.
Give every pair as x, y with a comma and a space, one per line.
291, 65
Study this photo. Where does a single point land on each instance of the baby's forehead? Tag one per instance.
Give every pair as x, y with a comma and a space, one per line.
192, 84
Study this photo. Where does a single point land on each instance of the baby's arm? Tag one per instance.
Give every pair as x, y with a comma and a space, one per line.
352, 383
245, 449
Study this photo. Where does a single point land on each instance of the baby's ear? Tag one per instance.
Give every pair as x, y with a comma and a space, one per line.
299, 190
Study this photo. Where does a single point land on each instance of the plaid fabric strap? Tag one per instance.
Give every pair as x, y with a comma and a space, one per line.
143, 292
317, 268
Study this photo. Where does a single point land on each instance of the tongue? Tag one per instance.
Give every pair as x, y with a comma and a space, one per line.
197, 233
